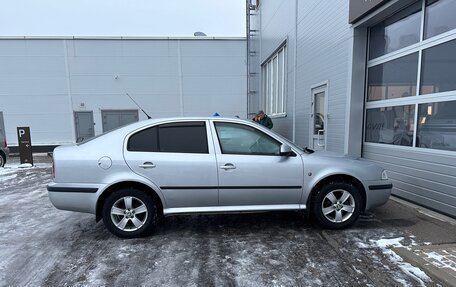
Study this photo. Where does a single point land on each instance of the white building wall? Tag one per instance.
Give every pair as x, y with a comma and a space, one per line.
323, 48
323, 53
44, 80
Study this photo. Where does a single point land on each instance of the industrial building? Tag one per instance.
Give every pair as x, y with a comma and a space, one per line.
67, 89
375, 79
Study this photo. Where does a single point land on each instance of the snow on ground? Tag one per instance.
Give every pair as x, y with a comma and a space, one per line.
386, 244
442, 260
40, 245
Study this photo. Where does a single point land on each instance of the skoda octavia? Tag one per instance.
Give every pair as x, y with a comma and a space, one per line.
132, 175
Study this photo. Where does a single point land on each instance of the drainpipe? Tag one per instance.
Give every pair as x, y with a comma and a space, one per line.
295, 64
247, 33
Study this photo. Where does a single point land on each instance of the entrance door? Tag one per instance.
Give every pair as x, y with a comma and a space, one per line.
84, 125
116, 118
318, 118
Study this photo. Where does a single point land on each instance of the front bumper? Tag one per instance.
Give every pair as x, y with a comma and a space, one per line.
377, 192
74, 197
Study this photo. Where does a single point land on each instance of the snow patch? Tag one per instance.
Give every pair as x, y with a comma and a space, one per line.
440, 260
25, 165
414, 272
8, 177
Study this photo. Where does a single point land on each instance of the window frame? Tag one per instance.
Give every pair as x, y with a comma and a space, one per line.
416, 99
271, 94
177, 123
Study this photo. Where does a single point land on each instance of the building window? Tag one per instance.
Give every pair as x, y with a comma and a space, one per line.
402, 56
438, 69
273, 75
437, 126
393, 79
439, 17
391, 125
396, 32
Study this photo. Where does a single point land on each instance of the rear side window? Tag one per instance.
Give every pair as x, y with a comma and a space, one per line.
145, 140
185, 137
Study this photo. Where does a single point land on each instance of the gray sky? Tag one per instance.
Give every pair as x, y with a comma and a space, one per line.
121, 17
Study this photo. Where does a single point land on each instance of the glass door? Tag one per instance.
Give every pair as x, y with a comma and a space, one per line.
318, 118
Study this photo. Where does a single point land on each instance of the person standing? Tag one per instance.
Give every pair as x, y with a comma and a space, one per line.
263, 119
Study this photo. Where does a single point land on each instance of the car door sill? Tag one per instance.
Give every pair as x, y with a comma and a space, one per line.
236, 208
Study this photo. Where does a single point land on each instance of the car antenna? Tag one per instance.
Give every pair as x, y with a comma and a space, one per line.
138, 106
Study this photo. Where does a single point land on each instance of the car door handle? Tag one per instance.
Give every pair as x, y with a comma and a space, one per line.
147, 164
228, 166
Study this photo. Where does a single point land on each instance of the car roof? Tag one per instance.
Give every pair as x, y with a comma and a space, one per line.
143, 123
171, 119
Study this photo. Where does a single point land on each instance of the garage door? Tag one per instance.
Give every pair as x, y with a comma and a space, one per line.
116, 118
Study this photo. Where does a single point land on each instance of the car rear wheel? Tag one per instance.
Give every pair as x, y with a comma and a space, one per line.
337, 205
130, 213
2, 160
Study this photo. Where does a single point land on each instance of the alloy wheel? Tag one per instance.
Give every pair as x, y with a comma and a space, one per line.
129, 213
338, 206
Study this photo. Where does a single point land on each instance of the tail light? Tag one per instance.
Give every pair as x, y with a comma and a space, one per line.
5, 144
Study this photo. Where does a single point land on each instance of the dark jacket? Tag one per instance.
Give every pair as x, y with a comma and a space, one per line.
267, 122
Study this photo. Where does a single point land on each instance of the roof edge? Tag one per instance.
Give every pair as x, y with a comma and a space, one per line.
116, 38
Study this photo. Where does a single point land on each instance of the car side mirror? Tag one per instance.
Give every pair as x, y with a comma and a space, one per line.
285, 150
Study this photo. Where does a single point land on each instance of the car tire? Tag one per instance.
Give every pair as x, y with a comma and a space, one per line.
2, 160
337, 205
130, 213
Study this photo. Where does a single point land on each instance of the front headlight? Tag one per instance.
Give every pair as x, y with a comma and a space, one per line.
384, 175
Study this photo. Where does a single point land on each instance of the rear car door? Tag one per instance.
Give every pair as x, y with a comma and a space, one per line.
176, 156
251, 169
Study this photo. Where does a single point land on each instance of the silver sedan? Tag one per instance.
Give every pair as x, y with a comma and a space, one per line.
132, 175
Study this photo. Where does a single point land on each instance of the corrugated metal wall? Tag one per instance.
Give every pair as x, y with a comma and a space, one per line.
420, 176
323, 37
42, 81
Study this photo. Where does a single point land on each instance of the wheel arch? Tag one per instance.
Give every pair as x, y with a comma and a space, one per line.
337, 177
123, 185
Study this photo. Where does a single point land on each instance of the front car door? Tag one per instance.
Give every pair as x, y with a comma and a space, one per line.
176, 157
251, 169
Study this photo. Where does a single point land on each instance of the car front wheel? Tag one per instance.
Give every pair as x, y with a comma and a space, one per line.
337, 205
129, 213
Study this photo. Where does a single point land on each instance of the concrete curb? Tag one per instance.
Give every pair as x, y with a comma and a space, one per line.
425, 211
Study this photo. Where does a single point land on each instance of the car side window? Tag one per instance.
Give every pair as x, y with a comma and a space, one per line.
145, 141
243, 139
182, 137
185, 137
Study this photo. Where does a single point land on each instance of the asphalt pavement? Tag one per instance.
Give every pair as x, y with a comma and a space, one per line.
40, 245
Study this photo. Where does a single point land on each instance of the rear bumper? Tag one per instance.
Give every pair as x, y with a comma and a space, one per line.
377, 192
74, 197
